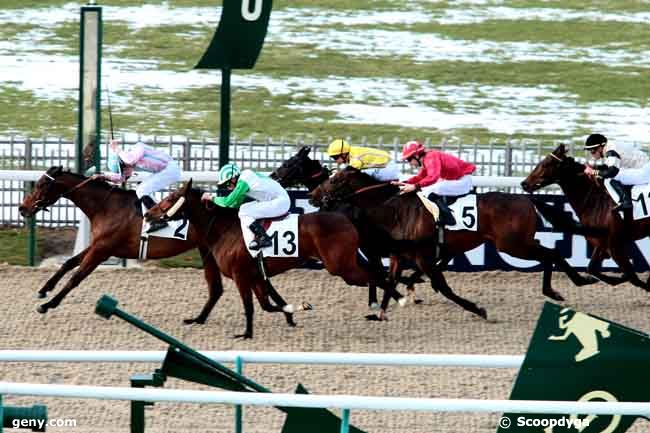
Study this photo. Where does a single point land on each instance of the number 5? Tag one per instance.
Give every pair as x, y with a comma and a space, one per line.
246, 7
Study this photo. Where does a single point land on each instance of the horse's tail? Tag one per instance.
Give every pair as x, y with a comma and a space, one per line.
563, 221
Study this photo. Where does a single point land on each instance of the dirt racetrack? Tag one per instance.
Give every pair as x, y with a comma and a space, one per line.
164, 297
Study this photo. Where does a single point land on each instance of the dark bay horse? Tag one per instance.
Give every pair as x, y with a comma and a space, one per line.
593, 206
405, 218
116, 227
301, 169
326, 236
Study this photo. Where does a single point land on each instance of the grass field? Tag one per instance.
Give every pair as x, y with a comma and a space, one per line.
491, 69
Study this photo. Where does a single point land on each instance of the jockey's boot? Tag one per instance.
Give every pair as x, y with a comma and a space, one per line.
156, 224
625, 196
262, 240
446, 217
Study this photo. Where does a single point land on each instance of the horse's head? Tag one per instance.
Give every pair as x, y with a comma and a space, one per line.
172, 206
300, 169
47, 191
339, 188
550, 170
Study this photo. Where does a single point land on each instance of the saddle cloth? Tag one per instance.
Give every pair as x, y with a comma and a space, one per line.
640, 199
283, 231
464, 209
176, 229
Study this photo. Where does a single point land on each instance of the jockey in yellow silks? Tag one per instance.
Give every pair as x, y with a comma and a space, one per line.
374, 162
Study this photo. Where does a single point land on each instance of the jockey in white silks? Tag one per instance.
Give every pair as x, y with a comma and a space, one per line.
122, 164
270, 200
623, 163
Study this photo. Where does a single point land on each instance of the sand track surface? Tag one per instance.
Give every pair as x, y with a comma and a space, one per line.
165, 297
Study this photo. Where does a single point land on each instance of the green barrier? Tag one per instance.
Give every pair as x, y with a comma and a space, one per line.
185, 363
33, 418
575, 356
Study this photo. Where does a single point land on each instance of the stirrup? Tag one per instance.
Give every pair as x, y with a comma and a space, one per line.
258, 244
157, 225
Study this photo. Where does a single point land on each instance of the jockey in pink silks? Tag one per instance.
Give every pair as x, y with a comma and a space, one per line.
122, 164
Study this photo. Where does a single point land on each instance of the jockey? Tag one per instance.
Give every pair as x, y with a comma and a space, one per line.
440, 174
374, 162
624, 164
271, 200
164, 171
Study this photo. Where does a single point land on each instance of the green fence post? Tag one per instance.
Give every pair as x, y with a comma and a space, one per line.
239, 369
345, 421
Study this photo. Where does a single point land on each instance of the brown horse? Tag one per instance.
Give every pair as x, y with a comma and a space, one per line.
116, 226
329, 237
405, 218
593, 205
301, 169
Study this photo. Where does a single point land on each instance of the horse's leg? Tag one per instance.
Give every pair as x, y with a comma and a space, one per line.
575, 277
617, 252
93, 258
372, 288
69, 264
595, 266
279, 301
246, 294
215, 287
439, 284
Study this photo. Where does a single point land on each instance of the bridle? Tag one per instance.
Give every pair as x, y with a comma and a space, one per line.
43, 205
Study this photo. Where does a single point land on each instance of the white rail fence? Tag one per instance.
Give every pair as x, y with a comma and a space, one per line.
326, 401
345, 402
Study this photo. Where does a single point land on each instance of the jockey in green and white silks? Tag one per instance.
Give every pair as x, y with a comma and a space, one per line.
271, 200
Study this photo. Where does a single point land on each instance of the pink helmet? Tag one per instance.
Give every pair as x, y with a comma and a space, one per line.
411, 149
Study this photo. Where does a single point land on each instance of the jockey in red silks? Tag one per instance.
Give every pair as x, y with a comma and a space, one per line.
441, 174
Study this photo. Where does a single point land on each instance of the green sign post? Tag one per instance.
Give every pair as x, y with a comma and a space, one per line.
185, 363
578, 357
236, 44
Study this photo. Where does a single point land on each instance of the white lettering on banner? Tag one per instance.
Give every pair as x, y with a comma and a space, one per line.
246, 10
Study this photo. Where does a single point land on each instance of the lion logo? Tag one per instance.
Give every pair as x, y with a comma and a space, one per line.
585, 328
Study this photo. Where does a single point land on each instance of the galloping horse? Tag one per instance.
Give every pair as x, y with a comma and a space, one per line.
116, 227
406, 218
593, 205
329, 237
301, 169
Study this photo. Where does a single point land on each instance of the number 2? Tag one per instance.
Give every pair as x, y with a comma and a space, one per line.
180, 228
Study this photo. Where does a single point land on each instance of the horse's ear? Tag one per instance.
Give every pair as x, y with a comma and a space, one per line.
304, 151
560, 150
187, 187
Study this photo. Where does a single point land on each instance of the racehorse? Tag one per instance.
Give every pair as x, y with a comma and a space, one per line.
327, 236
406, 219
116, 223
301, 169
593, 206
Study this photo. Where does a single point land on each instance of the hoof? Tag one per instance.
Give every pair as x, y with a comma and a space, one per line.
291, 323
402, 301
245, 336
306, 306
483, 313
193, 321
554, 295
374, 306
42, 309
41, 295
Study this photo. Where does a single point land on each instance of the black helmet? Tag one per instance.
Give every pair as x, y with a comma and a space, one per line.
595, 140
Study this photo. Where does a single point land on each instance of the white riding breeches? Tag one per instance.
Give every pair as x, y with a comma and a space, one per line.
254, 210
450, 187
384, 174
634, 176
159, 181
